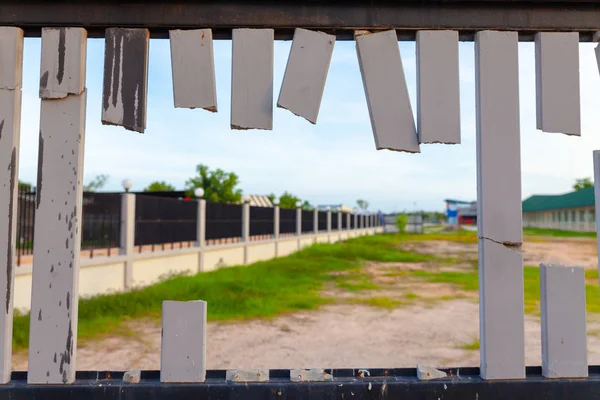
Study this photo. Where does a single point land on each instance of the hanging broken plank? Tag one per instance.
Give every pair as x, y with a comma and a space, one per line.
564, 336
62, 52
252, 79
385, 87
57, 235
193, 65
11, 67
125, 85
183, 347
501, 310
438, 93
306, 72
557, 82
596, 39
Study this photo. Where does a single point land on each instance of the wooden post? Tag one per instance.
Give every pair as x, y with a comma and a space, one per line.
252, 79
438, 93
499, 206
128, 235
183, 343
386, 92
125, 78
557, 82
193, 66
562, 298
11, 67
57, 241
306, 73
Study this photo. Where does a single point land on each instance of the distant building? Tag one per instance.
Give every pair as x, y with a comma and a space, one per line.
573, 211
341, 207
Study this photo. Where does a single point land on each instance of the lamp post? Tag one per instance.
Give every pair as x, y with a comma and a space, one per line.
127, 183
199, 192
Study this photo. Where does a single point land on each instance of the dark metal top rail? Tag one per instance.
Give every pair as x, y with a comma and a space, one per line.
341, 18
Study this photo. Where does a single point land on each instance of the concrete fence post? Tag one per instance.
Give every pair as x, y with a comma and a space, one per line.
276, 229
298, 224
246, 229
348, 221
339, 221
316, 222
201, 232
329, 224
127, 235
355, 221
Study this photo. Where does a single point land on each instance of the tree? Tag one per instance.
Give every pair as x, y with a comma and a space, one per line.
362, 204
583, 183
25, 187
219, 186
288, 200
96, 184
159, 186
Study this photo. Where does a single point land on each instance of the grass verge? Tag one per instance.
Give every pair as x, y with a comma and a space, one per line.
556, 233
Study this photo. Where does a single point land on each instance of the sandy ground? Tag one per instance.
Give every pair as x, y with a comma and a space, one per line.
345, 335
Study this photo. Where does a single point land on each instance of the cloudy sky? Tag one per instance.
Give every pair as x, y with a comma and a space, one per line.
332, 162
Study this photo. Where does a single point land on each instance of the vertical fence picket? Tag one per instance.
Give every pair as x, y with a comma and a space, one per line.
54, 301
499, 206
11, 66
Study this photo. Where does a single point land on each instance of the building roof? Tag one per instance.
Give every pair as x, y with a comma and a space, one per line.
259, 201
579, 198
453, 201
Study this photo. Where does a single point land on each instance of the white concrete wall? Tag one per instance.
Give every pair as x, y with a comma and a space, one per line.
107, 274
566, 222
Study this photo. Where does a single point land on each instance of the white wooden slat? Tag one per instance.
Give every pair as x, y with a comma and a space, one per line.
562, 298
125, 84
11, 65
183, 348
306, 73
596, 156
57, 238
385, 87
557, 82
438, 94
252, 79
499, 206
193, 65
63, 51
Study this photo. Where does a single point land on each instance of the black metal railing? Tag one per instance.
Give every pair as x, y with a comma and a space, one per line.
344, 220
322, 220
262, 222
165, 222
287, 221
334, 221
101, 224
223, 221
308, 221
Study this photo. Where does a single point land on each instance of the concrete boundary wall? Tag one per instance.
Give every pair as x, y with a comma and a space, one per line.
103, 275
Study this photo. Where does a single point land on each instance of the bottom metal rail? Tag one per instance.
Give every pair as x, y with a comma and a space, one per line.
347, 384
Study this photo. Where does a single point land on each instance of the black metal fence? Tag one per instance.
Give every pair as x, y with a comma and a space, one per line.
223, 221
322, 220
308, 222
164, 221
262, 222
287, 221
344, 220
334, 220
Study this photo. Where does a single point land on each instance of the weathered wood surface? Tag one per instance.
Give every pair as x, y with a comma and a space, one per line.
557, 82
193, 65
252, 79
306, 72
11, 66
438, 92
564, 336
183, 348
596, 155
63, 51
385, 87
57, 237
499, 206
125, 78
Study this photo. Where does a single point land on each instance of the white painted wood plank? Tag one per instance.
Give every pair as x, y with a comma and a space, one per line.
252, 79
438, 93
11, 48
385, 87
57, 236
125, 85
183, 348
63, 51
557, 82
562, 297
306, 72
596, 155
498, 137
193, 65
11, 62
502, 348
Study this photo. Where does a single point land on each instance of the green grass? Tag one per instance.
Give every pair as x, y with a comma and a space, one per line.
261, 290
379, 302
556, 233
474, 345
